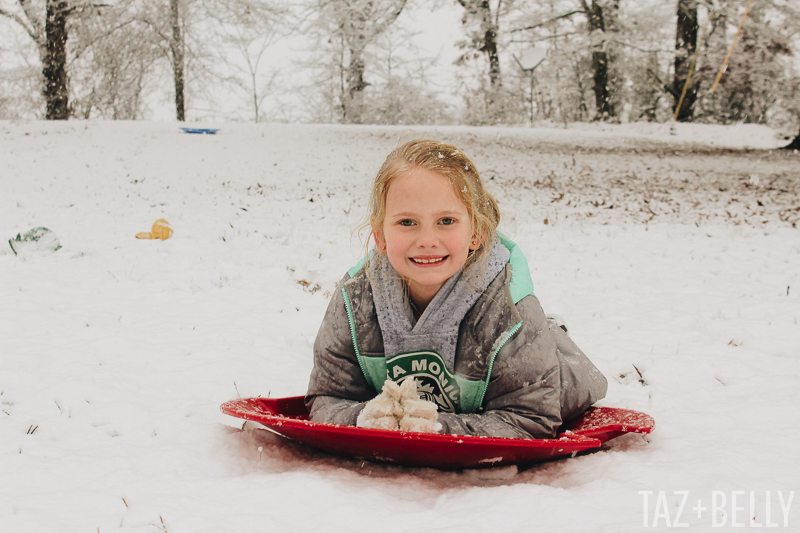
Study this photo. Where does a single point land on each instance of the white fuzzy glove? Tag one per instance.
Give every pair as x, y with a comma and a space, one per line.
418, 415
383, 411
399, 408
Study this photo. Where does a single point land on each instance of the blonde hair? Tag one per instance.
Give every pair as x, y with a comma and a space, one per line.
450, 162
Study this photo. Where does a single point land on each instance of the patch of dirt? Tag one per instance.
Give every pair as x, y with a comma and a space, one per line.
644, 181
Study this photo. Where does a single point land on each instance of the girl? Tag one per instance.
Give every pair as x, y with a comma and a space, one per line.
445, 303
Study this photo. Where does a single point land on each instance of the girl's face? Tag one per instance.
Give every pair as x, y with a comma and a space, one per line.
427, 233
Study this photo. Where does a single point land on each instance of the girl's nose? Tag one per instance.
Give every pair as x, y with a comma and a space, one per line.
427, 238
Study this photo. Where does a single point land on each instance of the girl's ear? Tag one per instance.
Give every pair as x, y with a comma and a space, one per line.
380, 241
377, 234
476, 242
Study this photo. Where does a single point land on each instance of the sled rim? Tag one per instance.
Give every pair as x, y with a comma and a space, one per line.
568, 439
288, 417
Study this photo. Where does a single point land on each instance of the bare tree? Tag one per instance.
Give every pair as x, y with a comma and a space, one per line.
482, 22
760, 81
484, 37
50, 36
96, 27
56, 82
350, 26
20, 80
250, 27
597, 13
563, 80
167, 21
114, 62
401, 91
685, 47
176, 47
252, 51
571, 30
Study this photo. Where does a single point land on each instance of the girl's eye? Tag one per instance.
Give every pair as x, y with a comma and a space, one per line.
447, 221
406, 222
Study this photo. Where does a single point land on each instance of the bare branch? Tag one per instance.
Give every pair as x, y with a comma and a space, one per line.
549, 37
38, 27
28, 29
666, 88
565, 15
99, 38
390, 19
645, 50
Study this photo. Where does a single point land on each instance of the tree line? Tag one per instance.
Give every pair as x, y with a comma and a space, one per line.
607, 60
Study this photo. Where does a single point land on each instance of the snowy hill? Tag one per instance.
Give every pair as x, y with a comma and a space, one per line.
673, 255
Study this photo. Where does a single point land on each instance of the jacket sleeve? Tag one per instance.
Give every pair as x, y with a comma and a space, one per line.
523, 396
582, 384
337, 387
540, 379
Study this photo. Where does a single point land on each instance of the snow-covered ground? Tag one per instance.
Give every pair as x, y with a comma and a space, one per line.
115, 353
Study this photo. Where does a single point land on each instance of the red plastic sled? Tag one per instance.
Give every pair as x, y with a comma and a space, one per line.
288, 417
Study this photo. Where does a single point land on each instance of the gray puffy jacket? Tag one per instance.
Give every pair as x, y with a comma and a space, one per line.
534, 377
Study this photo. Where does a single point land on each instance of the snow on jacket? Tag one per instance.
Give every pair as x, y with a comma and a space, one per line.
521, 376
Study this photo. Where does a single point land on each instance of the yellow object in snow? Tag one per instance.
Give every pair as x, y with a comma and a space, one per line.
161, 230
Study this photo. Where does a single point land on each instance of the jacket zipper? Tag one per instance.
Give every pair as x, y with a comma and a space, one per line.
503, 342
352, 323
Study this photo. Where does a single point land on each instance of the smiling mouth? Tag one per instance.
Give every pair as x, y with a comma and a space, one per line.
421, 261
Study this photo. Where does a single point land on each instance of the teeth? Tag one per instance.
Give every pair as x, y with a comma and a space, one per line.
426, 261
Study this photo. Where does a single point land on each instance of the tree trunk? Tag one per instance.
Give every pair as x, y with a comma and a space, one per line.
253, 83
177, 59
358, 23
685, 47
489, 30
54, 70
354, 97
602, 98
487, 34
795, 144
